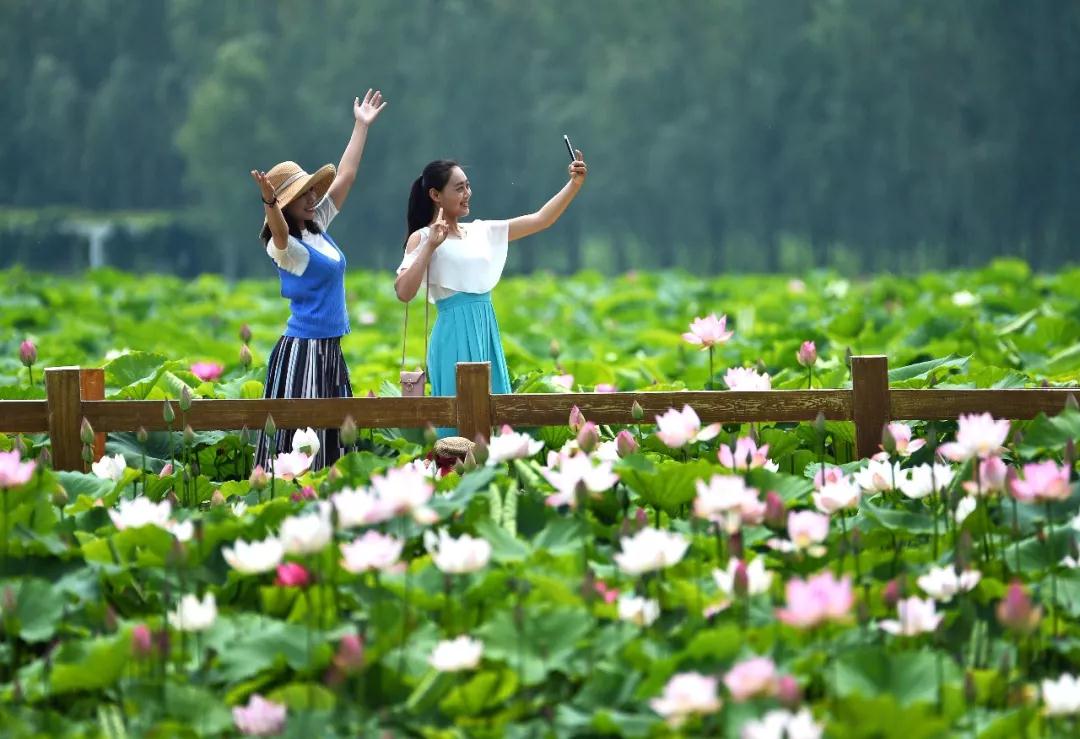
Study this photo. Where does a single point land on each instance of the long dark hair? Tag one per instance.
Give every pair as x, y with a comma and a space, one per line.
294, 227
421, 207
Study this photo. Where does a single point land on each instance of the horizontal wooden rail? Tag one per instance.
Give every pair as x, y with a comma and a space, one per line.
127, 415
1019, 404
75, 394
545, 409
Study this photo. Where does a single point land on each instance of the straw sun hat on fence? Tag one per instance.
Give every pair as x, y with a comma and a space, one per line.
290, 181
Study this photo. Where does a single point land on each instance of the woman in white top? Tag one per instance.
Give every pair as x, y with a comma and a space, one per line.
462, 262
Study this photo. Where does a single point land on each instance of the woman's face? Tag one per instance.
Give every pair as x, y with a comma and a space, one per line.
302, 209
454, 197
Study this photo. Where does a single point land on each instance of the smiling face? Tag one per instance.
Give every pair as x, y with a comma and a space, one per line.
302, 209
454, 197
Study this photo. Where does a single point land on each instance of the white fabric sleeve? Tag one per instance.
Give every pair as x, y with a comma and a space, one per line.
498, 233
293, 258
325, 212
410, 257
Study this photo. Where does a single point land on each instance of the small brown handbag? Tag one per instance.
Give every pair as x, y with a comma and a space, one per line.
413, 381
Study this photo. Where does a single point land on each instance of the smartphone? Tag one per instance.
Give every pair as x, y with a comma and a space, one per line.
569, 147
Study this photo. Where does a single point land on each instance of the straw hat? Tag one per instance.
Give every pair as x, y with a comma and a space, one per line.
453, 446
290, 181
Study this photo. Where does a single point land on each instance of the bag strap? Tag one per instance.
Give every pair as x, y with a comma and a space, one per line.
427, 311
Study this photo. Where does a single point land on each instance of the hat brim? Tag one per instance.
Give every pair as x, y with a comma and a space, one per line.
320, 179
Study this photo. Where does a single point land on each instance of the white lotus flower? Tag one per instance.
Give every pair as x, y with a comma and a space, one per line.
782, 724
306, 534
194, 615
131, 514
372, 551
254, 557
1062, 696
686, 694
758, 579
110, 467
638, 611
916, 616
837, 496
509, 444
649, 550
919, 482
942, 583
306, 441
965, 507
455, 655
878, 476
457, 556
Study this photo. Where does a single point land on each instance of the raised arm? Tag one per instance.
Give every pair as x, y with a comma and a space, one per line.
279, 230
527, 225
364, 114
408, 282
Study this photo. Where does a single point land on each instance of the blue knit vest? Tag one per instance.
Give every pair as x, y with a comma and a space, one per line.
317, 297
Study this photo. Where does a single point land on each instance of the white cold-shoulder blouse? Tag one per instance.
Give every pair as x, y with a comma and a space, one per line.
472, 263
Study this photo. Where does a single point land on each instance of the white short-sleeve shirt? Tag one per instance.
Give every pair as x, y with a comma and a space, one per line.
472, 263
294, 257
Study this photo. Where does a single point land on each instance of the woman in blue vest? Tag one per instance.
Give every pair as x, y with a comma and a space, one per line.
306, 361
460, 263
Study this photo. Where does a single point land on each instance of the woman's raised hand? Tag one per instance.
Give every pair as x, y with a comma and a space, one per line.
438, 231
264, 186
368, 110
578, 170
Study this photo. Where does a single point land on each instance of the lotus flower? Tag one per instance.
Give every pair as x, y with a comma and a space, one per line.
837, 496
1042, 481
259, 717
978, 435
306, 441
207, 371
405, 491
638, 611
138, 512
758, 579
781, 724
13, 471
919, 482
752, 677
193, 614
740, 379
306, 534
27, 353
574, 472
254, 558
1016, 612
942, 583
807, 354
457, 556
1062, 696
110, 467
901, 436
965, 507
878, 476
747, 455
817, 600
686, 694
290, 465
292, 575
508, 445
993, 475
372, 551
708, 331
650, 550
916, 616
678, 428
456, 655
727, 499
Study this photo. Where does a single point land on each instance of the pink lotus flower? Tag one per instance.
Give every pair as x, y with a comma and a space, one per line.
916, 616
878, 476
741, 378
290, 465
727, 499
993, 474
350, 653
605, 387
207, 371
27, 353
686, 694
405, 491
751, 678
292, 575
708, 331
574, 472
142, 641
678, 428
607, 593
807, 354
259, 717
747, 455
13, 471
827, 475
807, 530
817, 600
1042, 481
979, 435
564, 381
901, 435
1016, 612
837, 496
372, 551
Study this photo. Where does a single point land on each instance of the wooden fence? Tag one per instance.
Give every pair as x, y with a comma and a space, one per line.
74, 394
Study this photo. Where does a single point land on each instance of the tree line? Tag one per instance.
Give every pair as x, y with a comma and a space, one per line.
721, 135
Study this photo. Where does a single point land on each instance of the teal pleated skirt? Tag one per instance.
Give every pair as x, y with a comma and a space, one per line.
465, 331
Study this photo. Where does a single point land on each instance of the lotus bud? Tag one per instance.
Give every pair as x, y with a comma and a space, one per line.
735, 545
470, 461
44, 457
166, 471
430, 435
245, 356
371, 394
348, 432
173, 500
350, 653
245, 334
168, 413
258, 479
636, 411
59, 497
788, 691
189, 435
577, 419
819, 424
217, 499
27, 353
807, 354
890, 596
1071, 402
142, 641
888, 441
625, 443
86, 432
740, 582
480, 450
588, 437
141, 435
185, 399
269, 428
554, 349
775, 511
1016, 612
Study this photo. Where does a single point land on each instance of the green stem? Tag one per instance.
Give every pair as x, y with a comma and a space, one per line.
1016, 535
1053, 570
709, 384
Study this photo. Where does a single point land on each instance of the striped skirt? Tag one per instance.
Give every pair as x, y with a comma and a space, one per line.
305, 368
465, 331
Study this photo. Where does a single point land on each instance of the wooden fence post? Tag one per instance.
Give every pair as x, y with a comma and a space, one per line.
92, 385
871, 404
65, 416
474, 399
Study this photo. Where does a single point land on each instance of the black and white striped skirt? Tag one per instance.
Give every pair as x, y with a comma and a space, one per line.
305, 368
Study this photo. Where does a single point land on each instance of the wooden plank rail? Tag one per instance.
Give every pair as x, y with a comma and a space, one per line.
74, 394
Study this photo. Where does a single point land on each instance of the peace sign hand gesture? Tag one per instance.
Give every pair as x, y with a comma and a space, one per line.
367, 111
578, 170
438, 231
